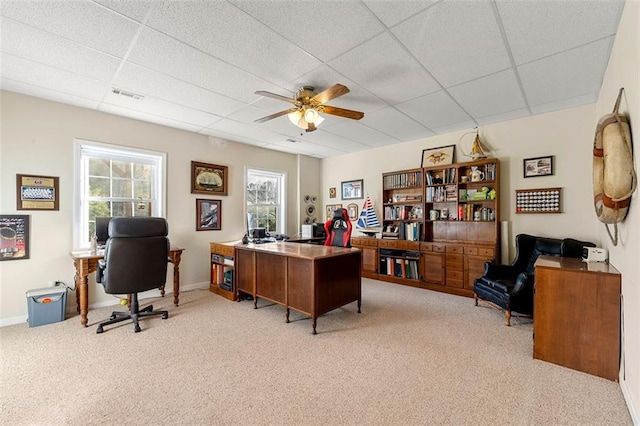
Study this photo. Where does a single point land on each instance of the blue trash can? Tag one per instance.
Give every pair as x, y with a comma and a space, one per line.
46, 305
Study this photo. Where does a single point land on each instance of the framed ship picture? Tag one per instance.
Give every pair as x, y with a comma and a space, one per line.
209, 178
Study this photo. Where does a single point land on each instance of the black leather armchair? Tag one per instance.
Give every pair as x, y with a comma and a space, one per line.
135, 260
509, 288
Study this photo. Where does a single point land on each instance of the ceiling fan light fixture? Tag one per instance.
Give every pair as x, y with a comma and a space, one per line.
295, 116
311, 115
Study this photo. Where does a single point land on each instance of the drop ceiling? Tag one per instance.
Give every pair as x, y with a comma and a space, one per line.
415, 68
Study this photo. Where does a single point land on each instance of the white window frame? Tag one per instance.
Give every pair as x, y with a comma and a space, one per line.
281, 219
110, 151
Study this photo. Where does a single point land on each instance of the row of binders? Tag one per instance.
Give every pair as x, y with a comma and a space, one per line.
402, 180
402, 268
410, 231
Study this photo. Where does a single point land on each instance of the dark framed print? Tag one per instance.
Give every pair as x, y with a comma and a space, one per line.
332, 192
208, 215
352, 189
539, 166
441, 156
37, 192
209, 178
14, 237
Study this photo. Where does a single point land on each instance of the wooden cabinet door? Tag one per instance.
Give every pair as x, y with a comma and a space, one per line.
433, 267
369, 260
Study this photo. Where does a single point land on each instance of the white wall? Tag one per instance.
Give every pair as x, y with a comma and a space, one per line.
623, 71
37, 137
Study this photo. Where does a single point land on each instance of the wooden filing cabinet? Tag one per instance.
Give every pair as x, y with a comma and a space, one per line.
454, 273
577, 315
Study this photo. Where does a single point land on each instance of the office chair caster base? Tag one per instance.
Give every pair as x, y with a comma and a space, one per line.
137, 329
99, 330
165, 315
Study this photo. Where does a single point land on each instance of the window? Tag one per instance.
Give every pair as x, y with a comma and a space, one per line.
116, 181
265, 200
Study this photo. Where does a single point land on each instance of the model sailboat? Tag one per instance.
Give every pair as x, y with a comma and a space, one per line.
367, 222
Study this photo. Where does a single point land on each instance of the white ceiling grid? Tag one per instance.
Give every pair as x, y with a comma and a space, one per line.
416, 68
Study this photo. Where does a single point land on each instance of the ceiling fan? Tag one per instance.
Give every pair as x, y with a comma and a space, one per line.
308, 104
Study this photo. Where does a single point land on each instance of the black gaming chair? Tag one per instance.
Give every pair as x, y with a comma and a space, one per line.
135, 260
338, 229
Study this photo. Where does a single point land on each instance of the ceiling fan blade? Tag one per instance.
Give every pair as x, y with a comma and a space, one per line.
276, 115
341, 112
331, 93
275, 96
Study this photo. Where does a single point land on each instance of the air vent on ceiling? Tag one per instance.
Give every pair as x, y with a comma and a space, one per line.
293, 140
131, 95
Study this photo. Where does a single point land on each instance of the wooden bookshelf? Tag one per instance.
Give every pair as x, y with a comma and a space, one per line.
222, 269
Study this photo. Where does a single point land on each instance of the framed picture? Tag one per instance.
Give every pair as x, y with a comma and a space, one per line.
209, 178
352, 211
540, 166
331, 208
14, 237
208, 215
332, 193
438, 156
37, 192
352, 190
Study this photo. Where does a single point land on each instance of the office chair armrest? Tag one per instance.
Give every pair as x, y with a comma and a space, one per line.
102, 264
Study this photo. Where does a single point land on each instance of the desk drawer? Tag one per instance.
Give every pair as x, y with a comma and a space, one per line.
455, 249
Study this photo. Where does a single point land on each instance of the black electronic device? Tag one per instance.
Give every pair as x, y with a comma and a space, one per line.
318, 230
258, 233
102, 230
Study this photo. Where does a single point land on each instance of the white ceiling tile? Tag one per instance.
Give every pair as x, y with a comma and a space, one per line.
360, 133
130, 8
249, 114
228, 33
329, 140
150, 83
29, 43
151, 118
45, 93
234, 137
496, 118
38, 75
490, 95
81, 21
246, 130
165, 54
589, 98
392, 122
352, 18
449, 128
435, 110
393, 11
569, 74
536, 29
385, 70
162, 108
456, 41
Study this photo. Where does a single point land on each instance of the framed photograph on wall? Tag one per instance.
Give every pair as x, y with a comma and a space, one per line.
37, 192
539, 166
352, 211
352, 189
441, 156
209, 178
208, 215
14, 237
331, 208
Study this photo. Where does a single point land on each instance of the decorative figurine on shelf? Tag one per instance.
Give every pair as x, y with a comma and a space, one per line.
477, 175
437, 179
492, 194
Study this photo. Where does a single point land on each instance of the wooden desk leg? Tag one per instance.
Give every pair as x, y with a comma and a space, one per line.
359, 305
287, 315
83, 292
314, 321
176, 256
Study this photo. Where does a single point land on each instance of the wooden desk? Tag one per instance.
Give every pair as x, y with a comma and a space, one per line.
86, 263
576, 318
307, 278
307, 240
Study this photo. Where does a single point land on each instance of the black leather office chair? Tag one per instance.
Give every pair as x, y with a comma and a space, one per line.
338, 229
135, 260
509, 288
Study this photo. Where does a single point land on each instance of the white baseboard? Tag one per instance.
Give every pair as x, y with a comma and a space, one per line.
631, 405
71, 305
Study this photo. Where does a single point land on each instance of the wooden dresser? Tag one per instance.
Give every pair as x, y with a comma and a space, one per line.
577, 315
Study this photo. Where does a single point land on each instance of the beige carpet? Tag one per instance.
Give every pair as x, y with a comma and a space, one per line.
411, 357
